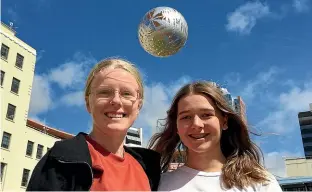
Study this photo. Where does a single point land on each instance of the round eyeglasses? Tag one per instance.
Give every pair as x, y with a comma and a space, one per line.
127, 95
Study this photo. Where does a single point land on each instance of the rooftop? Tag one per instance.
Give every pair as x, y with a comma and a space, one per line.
49, 130
294, 180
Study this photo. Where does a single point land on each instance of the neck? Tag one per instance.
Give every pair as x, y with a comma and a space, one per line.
211, 161
111, 142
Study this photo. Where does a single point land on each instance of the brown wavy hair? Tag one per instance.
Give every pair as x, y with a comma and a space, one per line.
242, 168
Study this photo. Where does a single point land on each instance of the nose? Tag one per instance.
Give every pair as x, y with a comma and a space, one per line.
197, 122
116, 98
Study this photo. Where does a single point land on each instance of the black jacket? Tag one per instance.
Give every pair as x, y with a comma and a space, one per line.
67, 166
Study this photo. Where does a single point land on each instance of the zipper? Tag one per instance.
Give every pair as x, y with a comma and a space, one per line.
80, 162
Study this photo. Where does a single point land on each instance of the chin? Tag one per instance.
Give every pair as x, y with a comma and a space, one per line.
201, 148
118, 126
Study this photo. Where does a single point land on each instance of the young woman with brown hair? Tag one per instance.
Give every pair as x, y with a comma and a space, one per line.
220, 155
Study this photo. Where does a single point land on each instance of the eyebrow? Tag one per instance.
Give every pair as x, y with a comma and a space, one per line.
202, 109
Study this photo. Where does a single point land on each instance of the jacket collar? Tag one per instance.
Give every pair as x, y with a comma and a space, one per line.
76, 149
73, 150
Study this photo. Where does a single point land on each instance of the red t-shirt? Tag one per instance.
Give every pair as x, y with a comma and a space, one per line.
113, 173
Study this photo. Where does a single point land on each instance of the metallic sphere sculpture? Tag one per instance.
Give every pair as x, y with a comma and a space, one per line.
163, 31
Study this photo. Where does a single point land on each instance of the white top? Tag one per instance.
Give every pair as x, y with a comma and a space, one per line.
189, 180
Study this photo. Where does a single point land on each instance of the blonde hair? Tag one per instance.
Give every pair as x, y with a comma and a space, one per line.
116, 63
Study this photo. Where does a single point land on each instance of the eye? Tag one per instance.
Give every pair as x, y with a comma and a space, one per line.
104, 91
207, 115
128, 94
186, 117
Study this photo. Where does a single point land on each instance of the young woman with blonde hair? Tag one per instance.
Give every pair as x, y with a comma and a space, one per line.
220, 155
99, 161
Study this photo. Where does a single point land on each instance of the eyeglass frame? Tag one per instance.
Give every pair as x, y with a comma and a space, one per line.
115, 90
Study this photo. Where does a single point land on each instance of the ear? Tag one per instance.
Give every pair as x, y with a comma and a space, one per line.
140, 104
87, 104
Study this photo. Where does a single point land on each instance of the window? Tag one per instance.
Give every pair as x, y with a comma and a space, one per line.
19, 60
11, 111
39, 151
3, 166
25, 177
4, 51
6, 138
2, 76
29, 149
15, 85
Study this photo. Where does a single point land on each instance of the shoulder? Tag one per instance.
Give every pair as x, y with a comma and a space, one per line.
174, 180
150, 162
143, 154
72, 149
272, 184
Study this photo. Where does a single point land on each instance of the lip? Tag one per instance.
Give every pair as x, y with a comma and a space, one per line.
115, 113
199, 136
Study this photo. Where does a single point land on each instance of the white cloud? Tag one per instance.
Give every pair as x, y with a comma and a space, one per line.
39, 55
73, 99
275, 162
157, 101
72, 73
257, 85
41, 98
13, 14
245, 17
301, 5
285, 118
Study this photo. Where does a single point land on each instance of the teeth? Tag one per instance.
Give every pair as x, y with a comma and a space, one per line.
114, 115
198, 136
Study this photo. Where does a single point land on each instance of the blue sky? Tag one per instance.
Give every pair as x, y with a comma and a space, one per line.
260, 50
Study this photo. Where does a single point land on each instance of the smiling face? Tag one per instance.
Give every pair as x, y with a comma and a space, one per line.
199, 123
113, 101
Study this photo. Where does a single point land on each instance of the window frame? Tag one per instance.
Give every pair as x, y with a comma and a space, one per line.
8, 141
8, 116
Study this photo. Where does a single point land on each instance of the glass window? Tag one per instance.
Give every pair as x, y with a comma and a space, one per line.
6, 138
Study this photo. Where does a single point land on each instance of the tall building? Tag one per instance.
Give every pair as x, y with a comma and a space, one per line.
237, 103
240, 107
17, 71
305, 121
134, 137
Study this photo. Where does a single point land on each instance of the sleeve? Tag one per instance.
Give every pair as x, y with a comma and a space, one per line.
39, 177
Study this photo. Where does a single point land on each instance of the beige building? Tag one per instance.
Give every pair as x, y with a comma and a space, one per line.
17, 72
21, 144
298, 167
18, 163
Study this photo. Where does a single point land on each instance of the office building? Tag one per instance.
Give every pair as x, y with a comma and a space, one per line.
17, 71
240, 107
19, 155
298, 167
237, 104
134, 137
295, 183
305, 122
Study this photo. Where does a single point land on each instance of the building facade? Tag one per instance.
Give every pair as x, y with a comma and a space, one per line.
134, 137
298, 167
21, 154
17, 71
237, 104
305, 121
296, 183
